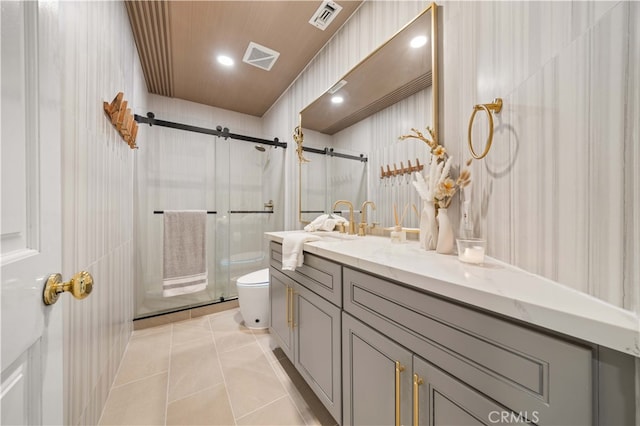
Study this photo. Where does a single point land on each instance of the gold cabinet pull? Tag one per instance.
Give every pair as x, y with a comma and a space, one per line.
399, 369
293, 311
80, 286
289, 307
417, 381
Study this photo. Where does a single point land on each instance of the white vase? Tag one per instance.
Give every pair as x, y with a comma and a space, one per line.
428, 226
445, 233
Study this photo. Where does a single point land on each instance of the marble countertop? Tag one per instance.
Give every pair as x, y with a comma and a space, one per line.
495, 286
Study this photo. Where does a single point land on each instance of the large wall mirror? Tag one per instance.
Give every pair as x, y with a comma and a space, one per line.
401, 67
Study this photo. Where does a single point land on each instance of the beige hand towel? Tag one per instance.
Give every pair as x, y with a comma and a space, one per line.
185, 252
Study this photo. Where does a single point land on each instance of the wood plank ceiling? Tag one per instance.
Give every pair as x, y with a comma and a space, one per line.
178, 42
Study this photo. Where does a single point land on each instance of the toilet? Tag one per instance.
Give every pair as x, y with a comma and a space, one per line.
253, 297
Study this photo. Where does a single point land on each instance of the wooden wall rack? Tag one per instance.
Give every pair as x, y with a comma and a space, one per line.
122, 119
401, 171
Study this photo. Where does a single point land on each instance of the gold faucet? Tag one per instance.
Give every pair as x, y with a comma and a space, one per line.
352, 225
363, 217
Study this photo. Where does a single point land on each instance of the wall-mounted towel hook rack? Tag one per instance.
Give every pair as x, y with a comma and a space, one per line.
490, 109
122, 119
400, 171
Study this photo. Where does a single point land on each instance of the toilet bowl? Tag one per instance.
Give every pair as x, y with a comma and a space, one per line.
253, 297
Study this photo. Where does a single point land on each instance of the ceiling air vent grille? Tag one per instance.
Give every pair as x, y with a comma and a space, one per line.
325, 14
260, 56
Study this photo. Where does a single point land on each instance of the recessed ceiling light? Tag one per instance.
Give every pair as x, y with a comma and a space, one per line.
337, 99
225, 60
418, 41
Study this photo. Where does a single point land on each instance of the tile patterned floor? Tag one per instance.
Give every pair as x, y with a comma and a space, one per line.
209, 370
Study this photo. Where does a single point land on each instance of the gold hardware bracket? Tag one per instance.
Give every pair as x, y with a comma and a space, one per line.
490, 109
80, 286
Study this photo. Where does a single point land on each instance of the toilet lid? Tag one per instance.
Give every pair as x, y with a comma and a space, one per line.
257, 277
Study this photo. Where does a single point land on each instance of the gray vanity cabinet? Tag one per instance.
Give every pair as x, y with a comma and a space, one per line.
371, 365
306, 322
374, 366
280, 293
440, 399
317, 349
482, 362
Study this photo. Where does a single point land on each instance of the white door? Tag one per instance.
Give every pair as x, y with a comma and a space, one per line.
31, 346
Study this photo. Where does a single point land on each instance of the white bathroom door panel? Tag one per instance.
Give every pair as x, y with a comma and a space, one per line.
31, 333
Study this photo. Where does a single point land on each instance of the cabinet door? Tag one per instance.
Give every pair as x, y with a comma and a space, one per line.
440, 399
316, 324
370, 393
280, 297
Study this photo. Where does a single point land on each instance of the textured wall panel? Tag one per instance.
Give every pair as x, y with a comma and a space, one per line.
98, 60
557, 194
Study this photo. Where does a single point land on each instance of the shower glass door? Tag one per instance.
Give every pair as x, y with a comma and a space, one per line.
190, 171
246, 211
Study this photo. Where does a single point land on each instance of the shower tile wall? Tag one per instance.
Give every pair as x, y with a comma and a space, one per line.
558, 194
180, 170
98, 59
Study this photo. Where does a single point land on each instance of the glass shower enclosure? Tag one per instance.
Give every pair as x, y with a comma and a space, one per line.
239, 183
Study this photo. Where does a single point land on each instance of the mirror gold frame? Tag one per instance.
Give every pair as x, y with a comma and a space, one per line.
369, 90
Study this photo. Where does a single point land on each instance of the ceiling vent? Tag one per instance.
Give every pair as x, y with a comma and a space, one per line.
260, 56
325, 14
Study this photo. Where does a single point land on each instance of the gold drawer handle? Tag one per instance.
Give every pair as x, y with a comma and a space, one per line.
417, 381
80, 286
399, 369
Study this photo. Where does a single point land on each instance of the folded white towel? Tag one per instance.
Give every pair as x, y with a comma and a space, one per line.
316, 223
328, 225
324, 222
292, 249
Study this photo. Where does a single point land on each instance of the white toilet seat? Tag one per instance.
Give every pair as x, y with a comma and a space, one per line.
257, 278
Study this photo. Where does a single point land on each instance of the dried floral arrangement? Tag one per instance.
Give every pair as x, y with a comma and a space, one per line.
438, 185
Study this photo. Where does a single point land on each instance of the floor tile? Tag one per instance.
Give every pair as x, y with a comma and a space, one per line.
268, 345
141, 402
194, 367
308, 404
209, 370
148, 353
229, 332
251, 381
280, 412
193, 329
207, 407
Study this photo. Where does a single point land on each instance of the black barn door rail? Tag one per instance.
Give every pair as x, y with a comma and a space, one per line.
218, 131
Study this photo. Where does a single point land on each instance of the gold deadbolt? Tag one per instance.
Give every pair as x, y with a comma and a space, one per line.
79, 286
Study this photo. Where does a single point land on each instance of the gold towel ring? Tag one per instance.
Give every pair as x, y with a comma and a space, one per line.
496, 107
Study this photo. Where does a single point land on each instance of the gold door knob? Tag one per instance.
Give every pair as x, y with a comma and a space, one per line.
79, 286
